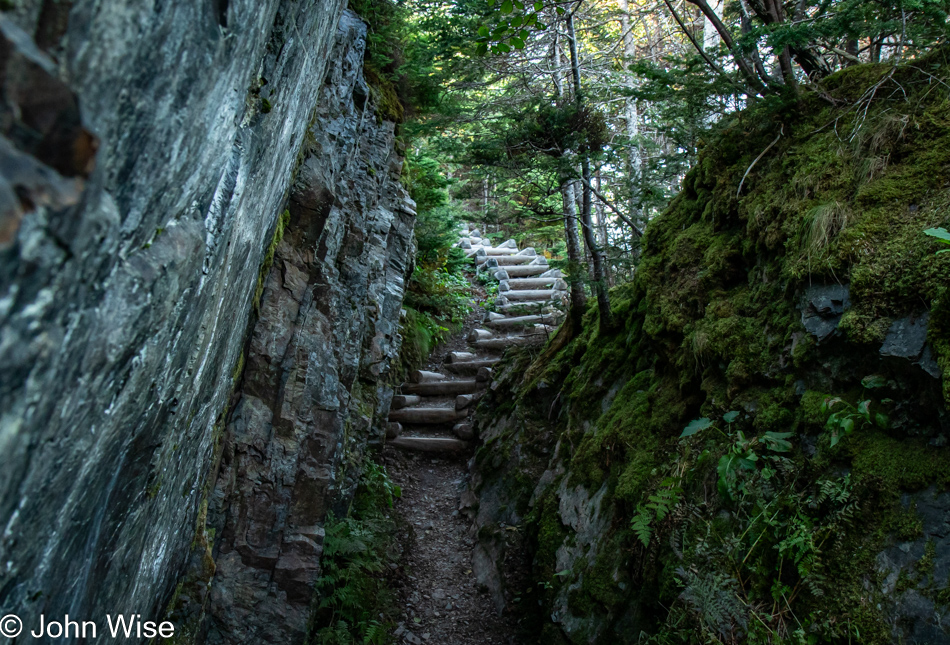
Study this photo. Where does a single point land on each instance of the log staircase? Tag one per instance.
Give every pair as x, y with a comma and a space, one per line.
432, 412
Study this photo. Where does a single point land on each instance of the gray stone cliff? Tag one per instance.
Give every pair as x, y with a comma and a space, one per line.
312, 391
147, 152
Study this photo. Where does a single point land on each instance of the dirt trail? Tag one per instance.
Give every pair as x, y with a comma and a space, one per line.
441, 601
439, 586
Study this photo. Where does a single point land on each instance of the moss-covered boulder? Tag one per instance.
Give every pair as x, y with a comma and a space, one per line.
760, 442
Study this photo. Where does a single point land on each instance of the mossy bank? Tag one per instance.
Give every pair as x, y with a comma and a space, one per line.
777, 291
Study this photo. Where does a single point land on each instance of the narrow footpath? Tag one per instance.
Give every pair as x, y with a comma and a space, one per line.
432, 439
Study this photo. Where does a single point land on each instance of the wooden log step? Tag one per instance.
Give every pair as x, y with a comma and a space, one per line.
422, 376
470, 368
462, 401
484, 374
508, 260
424, 415
531, 294
536, 330
530, 283
404, 401
459, 357
527, 308
523, 271
501, 250
429, 444
478, 334
464, 431
440, 388
520, 321
498, 344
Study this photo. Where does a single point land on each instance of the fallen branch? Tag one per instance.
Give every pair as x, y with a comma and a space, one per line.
761, 154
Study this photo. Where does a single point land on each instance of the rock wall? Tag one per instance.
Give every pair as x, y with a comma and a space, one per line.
148, 150
314, 387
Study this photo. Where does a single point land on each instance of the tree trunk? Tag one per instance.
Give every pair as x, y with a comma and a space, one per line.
574, 272
596, 253
600, 223
569, 207
710, 35
851, 47
632, 121
556, 62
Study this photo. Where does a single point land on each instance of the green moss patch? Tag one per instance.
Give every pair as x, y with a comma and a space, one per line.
712, 325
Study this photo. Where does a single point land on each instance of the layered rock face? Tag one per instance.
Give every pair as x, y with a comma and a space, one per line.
148, 150
313, 389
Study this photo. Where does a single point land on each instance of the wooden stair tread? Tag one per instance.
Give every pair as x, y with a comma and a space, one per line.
417, 415
440, 388
429, 444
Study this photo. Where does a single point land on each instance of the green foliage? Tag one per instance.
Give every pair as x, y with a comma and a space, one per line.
438, 219
438, 297
847, 417
713, 600
395, 65
436, 303
741, 456
444, 296
545, 128
510, 28
353, 602
775, 545
695, 426
660, 505
425, 179
941, 234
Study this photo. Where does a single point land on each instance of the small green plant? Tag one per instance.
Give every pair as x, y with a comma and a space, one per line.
846, 418
741, 455
660, 505
941, 234
353, 600
268, 260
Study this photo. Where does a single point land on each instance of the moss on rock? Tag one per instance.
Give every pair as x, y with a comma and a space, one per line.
712, 323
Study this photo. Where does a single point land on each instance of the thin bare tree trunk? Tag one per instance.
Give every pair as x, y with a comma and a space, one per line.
574, 271
710, 35
632, 121
569, 207
596, 253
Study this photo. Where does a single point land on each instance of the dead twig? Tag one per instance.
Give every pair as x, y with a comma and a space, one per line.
761, 154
